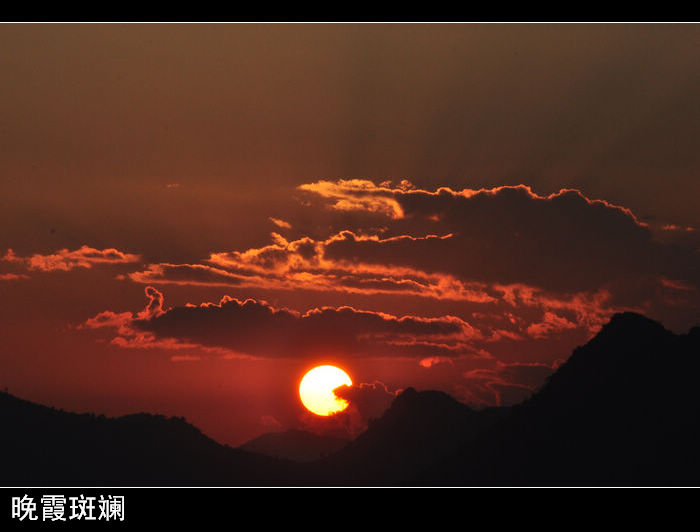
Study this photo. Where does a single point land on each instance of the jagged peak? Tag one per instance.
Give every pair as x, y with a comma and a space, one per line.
631, 326
632, 319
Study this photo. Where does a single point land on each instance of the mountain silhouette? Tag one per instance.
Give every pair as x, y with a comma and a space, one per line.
416, 430
622, 410
295, 445
43, 446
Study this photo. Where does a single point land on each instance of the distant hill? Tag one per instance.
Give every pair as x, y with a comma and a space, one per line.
623, 410
296, 445
417, 429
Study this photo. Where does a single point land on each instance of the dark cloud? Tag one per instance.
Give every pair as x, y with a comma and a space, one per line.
367, 401
256, 328
504, 384
270, 423
370, 399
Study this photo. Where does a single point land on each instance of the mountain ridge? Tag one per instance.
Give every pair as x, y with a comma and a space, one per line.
42, 445
622, 409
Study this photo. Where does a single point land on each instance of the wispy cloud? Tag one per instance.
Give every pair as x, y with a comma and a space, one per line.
65, 260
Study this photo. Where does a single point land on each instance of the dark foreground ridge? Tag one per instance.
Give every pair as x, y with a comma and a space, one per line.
42, 446
623, 410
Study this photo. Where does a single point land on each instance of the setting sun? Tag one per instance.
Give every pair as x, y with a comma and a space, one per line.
316, 390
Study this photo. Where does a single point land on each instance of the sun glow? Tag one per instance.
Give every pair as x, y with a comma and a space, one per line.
316, 390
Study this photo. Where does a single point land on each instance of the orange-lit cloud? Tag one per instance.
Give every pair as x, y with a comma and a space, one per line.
282, 224
674, 227
12, 276
191, 274
460, 246
357, 194
301, 264
429, 362
65, 260
676, 285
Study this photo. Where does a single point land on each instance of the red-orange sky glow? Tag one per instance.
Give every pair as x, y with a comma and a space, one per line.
195, 215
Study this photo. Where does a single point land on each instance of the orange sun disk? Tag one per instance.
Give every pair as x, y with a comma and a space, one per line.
316, 390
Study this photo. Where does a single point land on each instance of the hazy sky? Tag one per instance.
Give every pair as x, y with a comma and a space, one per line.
166, 155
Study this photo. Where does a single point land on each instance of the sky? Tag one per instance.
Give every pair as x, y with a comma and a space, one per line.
195, 215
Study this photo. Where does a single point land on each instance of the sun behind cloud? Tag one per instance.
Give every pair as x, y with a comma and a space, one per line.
316, 390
